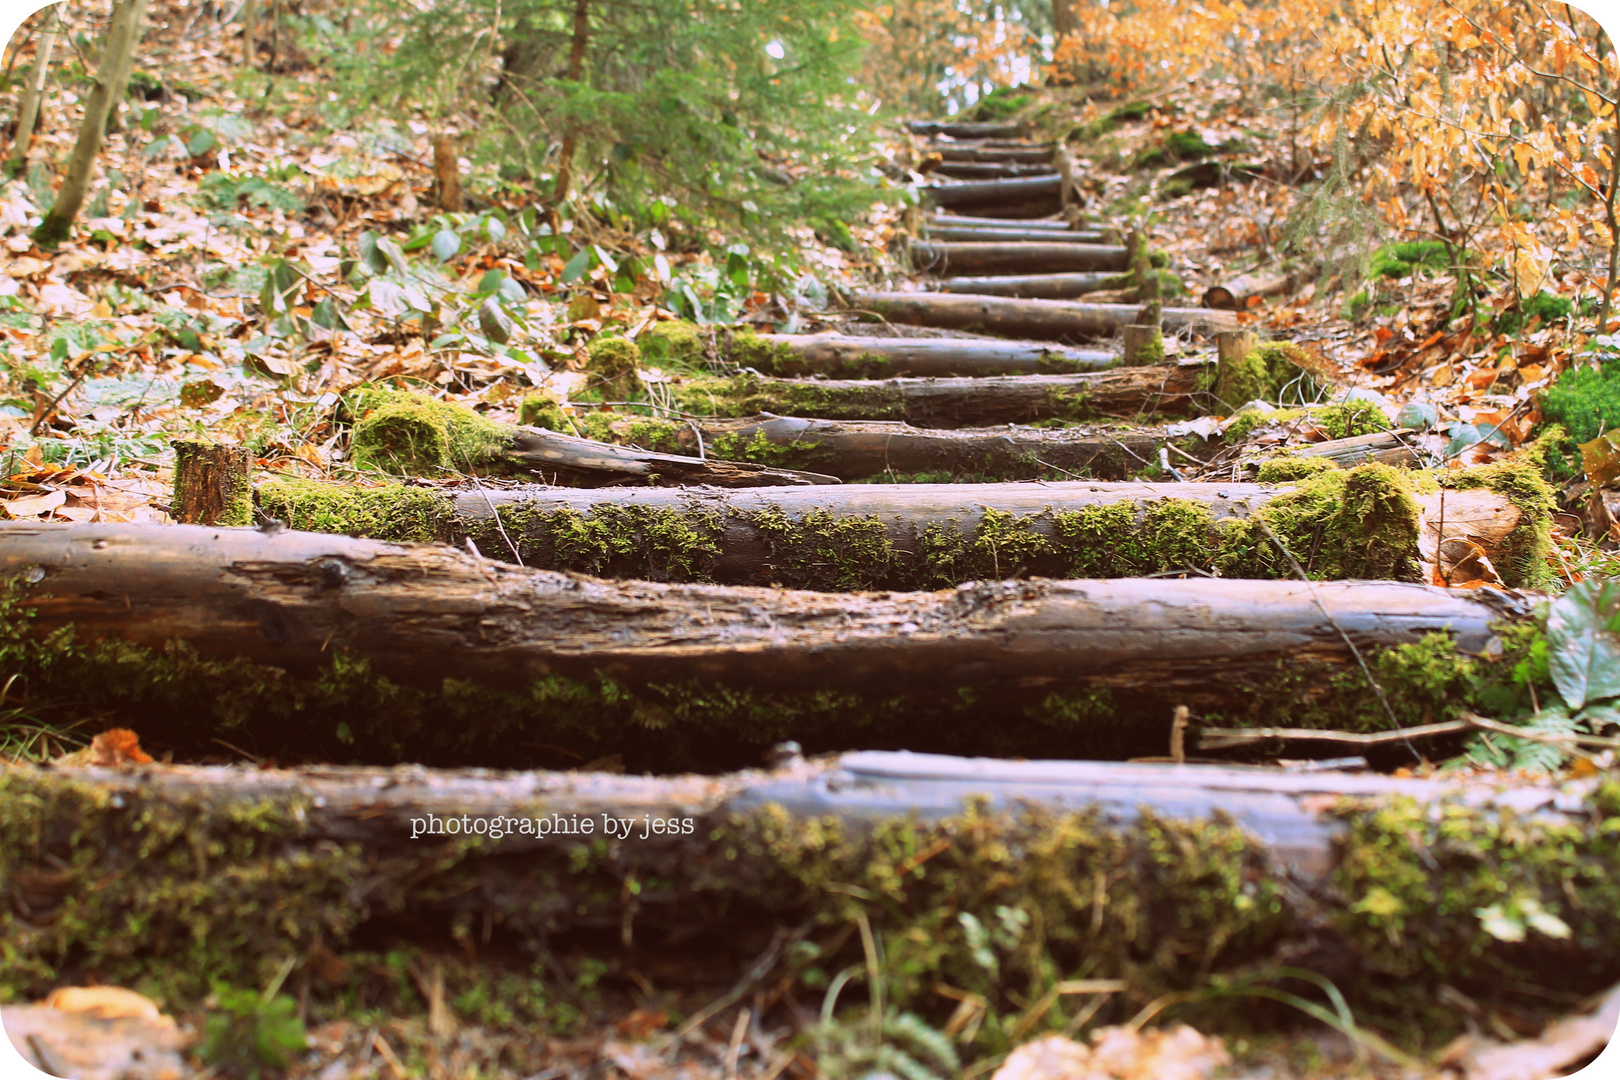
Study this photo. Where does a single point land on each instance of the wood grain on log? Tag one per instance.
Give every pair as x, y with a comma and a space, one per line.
1022, 153
554, 450
1055, 320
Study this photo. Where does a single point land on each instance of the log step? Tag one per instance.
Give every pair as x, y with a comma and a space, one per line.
1037, 286
997, 193
1005, 234
1013, 257
354, 650
1020, 152
986, 170
848, 356
1051, 320
968, 221
965, 130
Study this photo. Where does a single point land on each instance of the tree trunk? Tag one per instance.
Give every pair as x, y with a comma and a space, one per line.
997, 195
28, 107
1040, 256
250, 34
576, 71
211, 484
965, 130
447, 173
869, 357
1053, 320
862, 450
117, 59
955, 402
1036, 286
998, 237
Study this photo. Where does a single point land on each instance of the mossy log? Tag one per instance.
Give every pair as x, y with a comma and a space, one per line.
1386, 447
1008, 235
1052, 320
1355, 879
353, 650
1032, 254
1169, 389
585, 461
1369, 522
873, 357
992, 198
874, 449
988, 170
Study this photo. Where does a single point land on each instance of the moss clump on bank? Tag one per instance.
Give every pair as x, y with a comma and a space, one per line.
1290, 467
675, 342
387, 512
404, 432
613, 361
1263, 374
744, 348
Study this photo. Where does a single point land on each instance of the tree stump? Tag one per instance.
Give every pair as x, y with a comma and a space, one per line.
211, 485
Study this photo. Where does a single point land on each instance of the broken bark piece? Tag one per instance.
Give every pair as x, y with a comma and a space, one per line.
846, 356
296, 640
211, 485
1169, 389
1053, 320
1017, 257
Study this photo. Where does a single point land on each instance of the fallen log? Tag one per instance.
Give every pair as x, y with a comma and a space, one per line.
1169, 389
1243, 869
344, 649
1239, 293
966, 130
984, 234
1365, 523
1053, 320
1037, 286
873, 357
987, 170
1055, 256
1386, 447
408, 433
997, 194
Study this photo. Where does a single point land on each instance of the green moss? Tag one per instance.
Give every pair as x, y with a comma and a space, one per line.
745, 395
540, 411
1585, 403
388, 512
676, 342
1404, 259
1290, 467
614, 360
1112, 541
1265, 374
613, 540
823, 551
745, 348
1525, 552
404, 432
1347, 419
734, 447
1357, 524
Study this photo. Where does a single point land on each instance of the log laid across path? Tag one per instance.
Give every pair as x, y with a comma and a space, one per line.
665, 674
874, 357
1035, 286
1015, 257
1035, 196
968, 221
1055, 320
1005, 235
965, 129
1130, 393
1021, 152
989, 170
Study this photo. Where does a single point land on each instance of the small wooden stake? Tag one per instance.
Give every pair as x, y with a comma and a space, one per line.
211, 484
1143, 345
447, 172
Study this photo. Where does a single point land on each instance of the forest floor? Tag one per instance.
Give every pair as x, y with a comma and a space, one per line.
246, 262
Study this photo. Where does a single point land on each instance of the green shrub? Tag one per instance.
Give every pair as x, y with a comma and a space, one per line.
1585, 402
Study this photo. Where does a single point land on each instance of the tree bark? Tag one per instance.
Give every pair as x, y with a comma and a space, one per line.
117, 59
33, 93
250, 33
1385, 447
870, 357
447, 173
861, 450
211, 484
576, 71
1036, 257
1035, 286
943, 403
981, 234
965, 130
1052, 320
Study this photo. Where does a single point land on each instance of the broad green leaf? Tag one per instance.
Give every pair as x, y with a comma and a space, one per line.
513, 291
490, 283
416, 298
387, 298
395, 257
1583, 648
201, 142
606, 260
1417, 415
371, 253
494, 321
495, 229
445, 245
326, 315
577, 266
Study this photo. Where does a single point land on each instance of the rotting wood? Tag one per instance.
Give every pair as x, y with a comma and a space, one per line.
987, 234
211, 484
698, 672
1054, 320
874, 357
1168, 389
1039, 256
